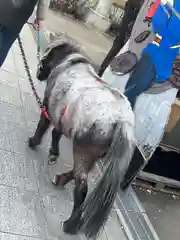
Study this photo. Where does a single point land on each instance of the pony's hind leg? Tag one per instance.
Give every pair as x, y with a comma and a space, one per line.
83, 162
54, 150
42, 127
64, 178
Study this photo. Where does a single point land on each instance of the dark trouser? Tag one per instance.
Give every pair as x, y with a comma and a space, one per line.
117, 45
7, 38
131, 11
141, 79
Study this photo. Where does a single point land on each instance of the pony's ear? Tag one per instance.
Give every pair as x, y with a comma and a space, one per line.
51, 37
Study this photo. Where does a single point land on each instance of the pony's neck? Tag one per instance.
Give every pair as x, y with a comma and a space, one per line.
63, 54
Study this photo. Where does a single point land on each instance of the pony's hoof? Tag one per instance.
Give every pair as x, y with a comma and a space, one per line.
52, 159
69, 227
59, 180
56, 180
31, 143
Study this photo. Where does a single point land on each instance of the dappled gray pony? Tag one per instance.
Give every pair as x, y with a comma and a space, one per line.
100, 122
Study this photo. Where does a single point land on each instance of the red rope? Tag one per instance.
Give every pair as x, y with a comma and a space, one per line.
45, 112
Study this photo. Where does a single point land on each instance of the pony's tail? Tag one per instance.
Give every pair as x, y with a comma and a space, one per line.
98, 204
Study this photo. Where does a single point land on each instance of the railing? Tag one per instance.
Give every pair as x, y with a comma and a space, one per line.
115, 16
115, 13
76, 8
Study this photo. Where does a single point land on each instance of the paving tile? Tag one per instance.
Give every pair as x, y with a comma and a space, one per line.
10, 95
29, 102
9, 79
9, 56
69, 237
31, 59
21, 213
5, 236
82, 237
15, 49
16, 170
28, 38
102, 236
12, 114
20, 66
25, 85
57, 209
64, 237
9, 66
113, 228
13, 138
32, 119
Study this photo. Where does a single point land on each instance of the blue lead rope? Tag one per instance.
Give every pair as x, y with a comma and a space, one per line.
129, 88
38, 44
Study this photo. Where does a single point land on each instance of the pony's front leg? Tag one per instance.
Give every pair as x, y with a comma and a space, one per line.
54, 150
42, 127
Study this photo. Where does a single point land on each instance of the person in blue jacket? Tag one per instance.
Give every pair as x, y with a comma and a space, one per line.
156, 63
160, 62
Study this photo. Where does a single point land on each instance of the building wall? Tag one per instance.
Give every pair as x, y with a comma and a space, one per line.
121, 3
99, 17
104, 5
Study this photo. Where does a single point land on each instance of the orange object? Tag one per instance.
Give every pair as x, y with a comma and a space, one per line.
173, 118
152, 9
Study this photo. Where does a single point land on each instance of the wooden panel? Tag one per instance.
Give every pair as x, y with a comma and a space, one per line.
174, 117
120, 3
157, 183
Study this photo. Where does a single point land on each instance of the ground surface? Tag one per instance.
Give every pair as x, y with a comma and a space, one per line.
30, 207
163, 211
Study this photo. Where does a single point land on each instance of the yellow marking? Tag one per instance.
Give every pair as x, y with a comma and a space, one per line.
175, 46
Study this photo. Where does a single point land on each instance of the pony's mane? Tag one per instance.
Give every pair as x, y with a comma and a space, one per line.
61, 39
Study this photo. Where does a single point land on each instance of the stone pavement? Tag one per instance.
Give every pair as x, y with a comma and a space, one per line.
163, 210
31, 208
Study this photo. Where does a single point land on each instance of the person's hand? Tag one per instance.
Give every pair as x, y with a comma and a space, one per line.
37, 23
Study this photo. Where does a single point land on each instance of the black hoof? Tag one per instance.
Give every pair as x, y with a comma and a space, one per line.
125, 185
52, 159
31, 143
60, 180
69, 227
56, 180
